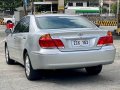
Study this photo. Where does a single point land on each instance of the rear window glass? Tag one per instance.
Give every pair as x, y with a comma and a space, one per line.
58, 22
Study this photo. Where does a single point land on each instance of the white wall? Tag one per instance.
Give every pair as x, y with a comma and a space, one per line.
84, 4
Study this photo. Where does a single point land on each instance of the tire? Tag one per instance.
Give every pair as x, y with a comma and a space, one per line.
30, 73
8, 60
95, 70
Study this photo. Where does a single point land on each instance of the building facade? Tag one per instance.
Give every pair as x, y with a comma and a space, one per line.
83, 3
81, 6
58, 5
109, 1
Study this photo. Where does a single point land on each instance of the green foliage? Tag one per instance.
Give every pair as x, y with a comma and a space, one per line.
114, 8
6, 4
10, 5
65, 1
104, 10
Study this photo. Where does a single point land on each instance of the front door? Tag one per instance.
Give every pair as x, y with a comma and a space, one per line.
18, 39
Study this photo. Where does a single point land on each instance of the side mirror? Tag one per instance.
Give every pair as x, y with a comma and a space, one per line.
8, 31
97, 25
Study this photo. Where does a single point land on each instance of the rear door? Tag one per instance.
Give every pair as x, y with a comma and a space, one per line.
22, 37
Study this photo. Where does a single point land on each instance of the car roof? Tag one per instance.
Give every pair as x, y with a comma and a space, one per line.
42, 15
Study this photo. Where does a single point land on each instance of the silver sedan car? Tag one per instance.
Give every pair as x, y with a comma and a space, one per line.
57, 41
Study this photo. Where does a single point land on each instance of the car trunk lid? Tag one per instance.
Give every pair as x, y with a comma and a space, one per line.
78, 40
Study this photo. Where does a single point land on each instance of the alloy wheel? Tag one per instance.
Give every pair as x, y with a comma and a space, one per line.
6, 55
27, 66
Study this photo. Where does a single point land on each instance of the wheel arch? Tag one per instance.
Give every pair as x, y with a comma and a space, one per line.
5, 44
24, 52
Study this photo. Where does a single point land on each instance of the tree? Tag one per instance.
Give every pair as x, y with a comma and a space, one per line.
104, 10
114, 8
10, 5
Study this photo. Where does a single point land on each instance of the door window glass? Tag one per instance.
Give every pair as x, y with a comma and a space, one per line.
26, 24
23, 25
17, 27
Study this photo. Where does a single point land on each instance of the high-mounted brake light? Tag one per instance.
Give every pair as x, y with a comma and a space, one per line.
106, 40
46, 41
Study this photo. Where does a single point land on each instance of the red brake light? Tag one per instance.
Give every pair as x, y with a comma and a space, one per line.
106, 40
46, 41
58, 43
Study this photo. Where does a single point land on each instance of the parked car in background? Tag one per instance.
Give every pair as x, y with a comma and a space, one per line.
9, 19
59, 42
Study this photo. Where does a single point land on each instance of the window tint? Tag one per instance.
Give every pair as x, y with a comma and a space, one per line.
79, 4
58, 22
70, 4
17, 27
87, 4
23, 25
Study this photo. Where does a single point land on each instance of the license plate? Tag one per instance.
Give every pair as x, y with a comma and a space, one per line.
78, 43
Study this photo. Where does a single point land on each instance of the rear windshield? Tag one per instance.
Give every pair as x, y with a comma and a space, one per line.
58, 22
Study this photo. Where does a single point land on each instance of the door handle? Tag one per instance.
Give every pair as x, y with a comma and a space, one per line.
24, 37
16, 37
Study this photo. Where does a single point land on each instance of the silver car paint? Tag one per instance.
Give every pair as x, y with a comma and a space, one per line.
55, 58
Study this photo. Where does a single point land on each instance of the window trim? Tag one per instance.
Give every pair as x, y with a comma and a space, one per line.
22, 20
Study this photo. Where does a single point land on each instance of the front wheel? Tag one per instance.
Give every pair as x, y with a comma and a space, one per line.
95, 70
29, 71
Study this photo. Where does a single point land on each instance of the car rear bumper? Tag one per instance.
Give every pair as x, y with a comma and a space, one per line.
79, 59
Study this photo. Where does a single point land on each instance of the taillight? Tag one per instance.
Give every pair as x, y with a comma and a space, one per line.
105, 40
46, 41
58, 43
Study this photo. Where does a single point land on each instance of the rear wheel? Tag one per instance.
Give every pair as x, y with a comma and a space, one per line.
29, 71
95, 70
8, 60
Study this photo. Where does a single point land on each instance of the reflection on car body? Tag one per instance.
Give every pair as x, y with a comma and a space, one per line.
59, 42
